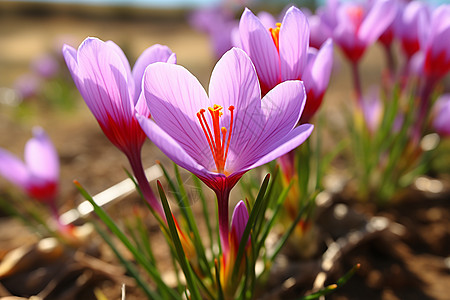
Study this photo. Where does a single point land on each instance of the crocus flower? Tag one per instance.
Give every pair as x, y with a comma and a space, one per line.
46, 66
437, 47
359, 26
38, 174
228, 261
279, 53
219, 24
221, 137
441, 121
282, 53
111, 90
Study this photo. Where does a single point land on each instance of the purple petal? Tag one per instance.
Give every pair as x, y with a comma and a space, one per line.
41, 156
170, 147
294, 43
318, 70
13, 169
234, 82
280, 111
131, 84
155, 53
70, 56
105, 81
259, 45
239, 220
380, 16
174, 96
291, 141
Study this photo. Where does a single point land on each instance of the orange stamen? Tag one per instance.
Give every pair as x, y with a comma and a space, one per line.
218, 144
275, 32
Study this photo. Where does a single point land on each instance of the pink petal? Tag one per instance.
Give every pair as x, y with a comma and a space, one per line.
105, 81
294, 43
318, 70
380, 16
234, 82
41, 156
13, 169
170, 147
239, 220
291, 141
155, 53
258, 44
174, 96
280, 111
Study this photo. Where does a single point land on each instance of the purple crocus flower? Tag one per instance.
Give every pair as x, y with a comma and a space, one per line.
279, 53
46, 66
372, 108
359, 26
221, 137
111, 90
219, 24
437, 47
441, 121
38, 174
283, 53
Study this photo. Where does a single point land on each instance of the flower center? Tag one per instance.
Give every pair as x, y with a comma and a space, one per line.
217, 138
275, 32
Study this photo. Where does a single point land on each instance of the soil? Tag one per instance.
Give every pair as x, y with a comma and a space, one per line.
406, 259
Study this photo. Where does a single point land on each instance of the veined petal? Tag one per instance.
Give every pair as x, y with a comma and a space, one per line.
41, 156
291, 141
170, 147
104, 80
174, 96
380, 16
13, 169
70, 56
318, 70
234, 82
155, 53
239, 221
258, 44
294, 43
280, 111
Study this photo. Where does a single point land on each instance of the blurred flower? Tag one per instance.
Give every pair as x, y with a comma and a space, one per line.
437, 46
441, 121
239, 221
359, 26
46, 66
323, 23
283, 53
372, 108
27, 86
38, 174
111, 90
219, 24
413, 23
221, 137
